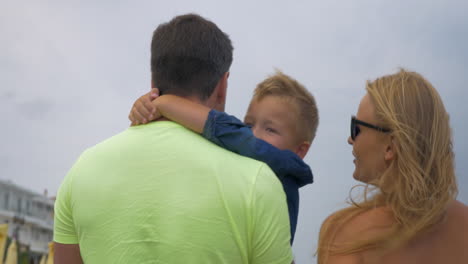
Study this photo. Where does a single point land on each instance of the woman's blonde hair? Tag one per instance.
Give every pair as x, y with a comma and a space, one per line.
419, 182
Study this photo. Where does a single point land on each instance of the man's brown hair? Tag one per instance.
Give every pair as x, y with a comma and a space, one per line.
189, 55
283, 86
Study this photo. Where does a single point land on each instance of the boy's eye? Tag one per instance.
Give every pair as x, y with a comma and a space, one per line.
270, 130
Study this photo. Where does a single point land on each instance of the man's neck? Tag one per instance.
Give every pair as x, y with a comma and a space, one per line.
194, 99
162, 119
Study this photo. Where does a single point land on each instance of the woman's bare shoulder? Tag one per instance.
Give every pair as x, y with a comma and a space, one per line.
460, 207
458, 212
364, 225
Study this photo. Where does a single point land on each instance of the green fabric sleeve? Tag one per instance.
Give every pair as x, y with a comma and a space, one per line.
64, 228
271, 232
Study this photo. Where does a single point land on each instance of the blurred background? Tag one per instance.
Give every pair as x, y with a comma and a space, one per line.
71, 70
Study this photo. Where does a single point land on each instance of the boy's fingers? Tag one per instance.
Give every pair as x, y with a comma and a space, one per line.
149, 107
132, 118
154, 93
148, 104
143, 107
138, 117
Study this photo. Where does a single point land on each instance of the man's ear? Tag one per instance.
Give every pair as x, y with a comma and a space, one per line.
223, 83
302, 149
221, 91
390, 153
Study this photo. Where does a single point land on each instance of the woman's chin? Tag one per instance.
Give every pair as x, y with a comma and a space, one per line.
359, 177
356, 176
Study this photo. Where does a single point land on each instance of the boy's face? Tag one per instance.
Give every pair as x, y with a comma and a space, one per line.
274, 120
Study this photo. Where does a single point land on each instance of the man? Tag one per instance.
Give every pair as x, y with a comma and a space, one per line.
160, 193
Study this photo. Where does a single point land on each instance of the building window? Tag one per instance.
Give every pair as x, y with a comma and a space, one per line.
7, 200
28, 207
19, 205
35, 234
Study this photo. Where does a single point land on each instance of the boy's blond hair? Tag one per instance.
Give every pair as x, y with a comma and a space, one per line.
284, 86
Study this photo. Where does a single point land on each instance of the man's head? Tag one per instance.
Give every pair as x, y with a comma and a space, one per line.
283, 113
190, 57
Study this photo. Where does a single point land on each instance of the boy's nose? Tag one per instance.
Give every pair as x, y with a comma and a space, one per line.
255, 131
350, 141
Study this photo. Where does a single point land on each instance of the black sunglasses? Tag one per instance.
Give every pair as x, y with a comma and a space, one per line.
355, 130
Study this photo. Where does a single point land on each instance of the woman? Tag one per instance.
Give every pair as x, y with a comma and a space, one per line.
402, 145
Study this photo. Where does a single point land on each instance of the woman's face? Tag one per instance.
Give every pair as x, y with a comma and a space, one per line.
369, 145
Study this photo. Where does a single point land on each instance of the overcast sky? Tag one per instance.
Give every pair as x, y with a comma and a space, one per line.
70, 71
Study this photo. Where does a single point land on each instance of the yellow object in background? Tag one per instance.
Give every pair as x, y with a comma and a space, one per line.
3, 239
12, 253
43, 259
50, 258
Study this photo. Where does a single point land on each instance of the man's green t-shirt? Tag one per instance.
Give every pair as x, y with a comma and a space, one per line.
159, 193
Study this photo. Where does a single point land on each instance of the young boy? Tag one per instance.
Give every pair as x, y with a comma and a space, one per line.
279, 127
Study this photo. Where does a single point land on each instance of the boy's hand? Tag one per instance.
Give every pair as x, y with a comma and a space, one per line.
143, 110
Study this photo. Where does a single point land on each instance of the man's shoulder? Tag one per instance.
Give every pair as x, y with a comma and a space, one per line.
187, 140
172, 138
174, 143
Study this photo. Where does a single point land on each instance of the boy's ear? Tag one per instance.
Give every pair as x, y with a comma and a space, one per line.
302, 149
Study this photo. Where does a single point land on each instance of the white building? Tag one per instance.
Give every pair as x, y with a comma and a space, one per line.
29, 216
